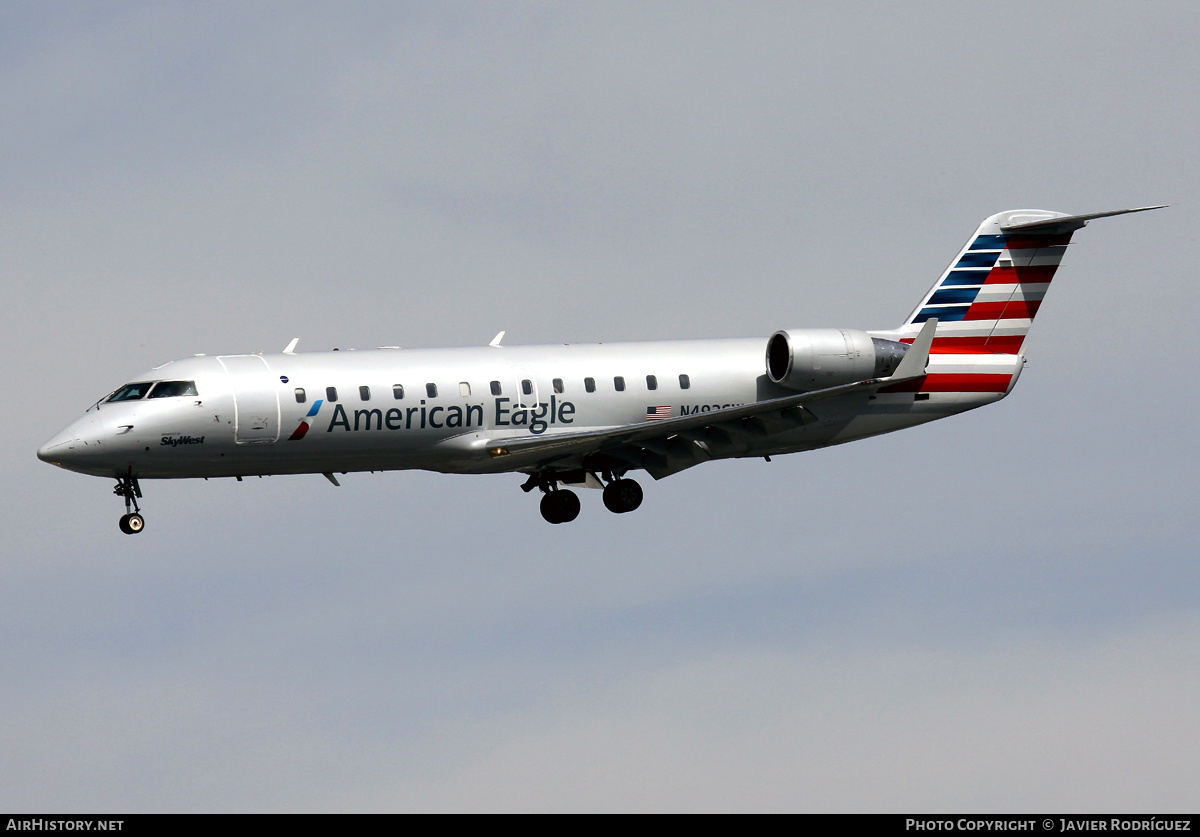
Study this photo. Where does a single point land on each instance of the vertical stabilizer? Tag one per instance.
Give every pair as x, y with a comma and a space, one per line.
986, 300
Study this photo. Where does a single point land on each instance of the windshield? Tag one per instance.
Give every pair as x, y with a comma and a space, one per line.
130, 392
167, 389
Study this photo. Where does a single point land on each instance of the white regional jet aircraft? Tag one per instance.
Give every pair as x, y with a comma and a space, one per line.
581, 414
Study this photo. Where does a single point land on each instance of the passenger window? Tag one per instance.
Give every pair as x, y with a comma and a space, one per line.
131, 392
619, 384
300, 396
431, 390
684, 382
331, 394
527, 387
495, 387
464, 389
364, 393
589, 384
398, 391
651, 382
558, 386
169, 389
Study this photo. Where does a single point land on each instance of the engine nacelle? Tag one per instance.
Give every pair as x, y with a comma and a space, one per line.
816, 358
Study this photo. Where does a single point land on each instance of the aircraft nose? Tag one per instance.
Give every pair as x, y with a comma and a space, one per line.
58, 448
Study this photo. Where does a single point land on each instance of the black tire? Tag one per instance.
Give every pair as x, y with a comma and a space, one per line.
549, 508
568, 504
123, 523
621, 496
560, 506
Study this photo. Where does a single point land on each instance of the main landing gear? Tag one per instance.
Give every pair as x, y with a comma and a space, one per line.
561, 505
127, 486
622, 495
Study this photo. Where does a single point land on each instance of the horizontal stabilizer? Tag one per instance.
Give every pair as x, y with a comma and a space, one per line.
1069, 223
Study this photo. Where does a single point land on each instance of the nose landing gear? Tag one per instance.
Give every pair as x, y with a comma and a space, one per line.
127, 486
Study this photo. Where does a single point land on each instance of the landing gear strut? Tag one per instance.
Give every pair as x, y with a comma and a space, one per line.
127, 486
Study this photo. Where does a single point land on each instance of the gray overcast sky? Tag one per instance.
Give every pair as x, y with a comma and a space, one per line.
998, 612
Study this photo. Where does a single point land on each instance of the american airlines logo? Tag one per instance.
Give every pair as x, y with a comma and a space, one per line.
299, 432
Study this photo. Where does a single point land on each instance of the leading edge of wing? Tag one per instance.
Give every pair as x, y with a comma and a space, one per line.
912, 367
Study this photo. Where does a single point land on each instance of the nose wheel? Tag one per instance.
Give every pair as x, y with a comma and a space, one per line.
132, 521
131, 524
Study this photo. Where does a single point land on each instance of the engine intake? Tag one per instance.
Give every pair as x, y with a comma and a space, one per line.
816, 358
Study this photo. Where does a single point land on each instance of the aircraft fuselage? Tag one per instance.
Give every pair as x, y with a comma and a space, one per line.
440, 409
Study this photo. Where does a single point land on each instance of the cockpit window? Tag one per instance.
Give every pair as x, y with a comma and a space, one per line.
169, 389
131, 392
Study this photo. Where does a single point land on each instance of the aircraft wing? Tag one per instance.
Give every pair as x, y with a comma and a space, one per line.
670, 445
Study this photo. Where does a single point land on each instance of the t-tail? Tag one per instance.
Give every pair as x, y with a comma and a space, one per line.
987, 298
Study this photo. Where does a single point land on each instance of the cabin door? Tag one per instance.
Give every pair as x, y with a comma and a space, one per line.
255, 399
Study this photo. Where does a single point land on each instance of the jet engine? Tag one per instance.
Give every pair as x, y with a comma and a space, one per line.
816, 358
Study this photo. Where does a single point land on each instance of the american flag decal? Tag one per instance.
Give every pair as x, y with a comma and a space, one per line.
657, 413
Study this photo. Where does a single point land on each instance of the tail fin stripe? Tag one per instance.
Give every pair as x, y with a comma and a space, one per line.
980, 328
1040, 256
973, 345
999, 293
1021, 275
986, 259
1009, 309
949, 295
935, 382
1032, 242
944, 315
989, 242
966, 383
965, 277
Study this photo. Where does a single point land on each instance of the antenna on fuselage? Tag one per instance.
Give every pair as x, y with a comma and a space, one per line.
291, 347
495, 344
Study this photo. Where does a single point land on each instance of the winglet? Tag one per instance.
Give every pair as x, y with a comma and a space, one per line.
912, 365
495, 344
291, 347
